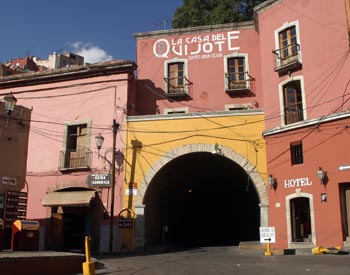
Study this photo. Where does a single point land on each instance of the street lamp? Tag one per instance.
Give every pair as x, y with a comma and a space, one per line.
10, 102
99, 141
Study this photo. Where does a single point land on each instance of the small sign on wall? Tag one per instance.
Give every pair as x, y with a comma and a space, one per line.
100, 180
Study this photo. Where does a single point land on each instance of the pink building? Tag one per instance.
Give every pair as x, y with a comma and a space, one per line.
67, 176
211, 68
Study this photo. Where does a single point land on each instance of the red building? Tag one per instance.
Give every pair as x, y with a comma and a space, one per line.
304, 49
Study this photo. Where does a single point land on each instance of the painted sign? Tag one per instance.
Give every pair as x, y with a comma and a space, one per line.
197, 47
15, 207
297, 182
100, 180
267, 234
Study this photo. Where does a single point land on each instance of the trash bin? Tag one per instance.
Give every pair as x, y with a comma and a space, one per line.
1, 233
25, 235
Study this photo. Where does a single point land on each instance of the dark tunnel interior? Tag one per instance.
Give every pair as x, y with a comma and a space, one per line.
201, 199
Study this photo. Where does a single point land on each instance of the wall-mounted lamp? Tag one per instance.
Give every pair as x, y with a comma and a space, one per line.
217, 150
99, 139
272, 182
10, 103
321, 175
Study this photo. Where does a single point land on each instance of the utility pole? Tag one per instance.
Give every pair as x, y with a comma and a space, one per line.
115, 127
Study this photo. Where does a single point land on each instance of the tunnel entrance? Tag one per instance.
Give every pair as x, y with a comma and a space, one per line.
201, 199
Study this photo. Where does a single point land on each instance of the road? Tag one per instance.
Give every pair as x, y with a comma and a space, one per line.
222, 260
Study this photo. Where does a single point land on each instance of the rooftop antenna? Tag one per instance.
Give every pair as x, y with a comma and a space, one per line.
164, 22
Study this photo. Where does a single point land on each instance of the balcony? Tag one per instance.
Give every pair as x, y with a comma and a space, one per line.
287, 58
177, 86
75, 159
294, 114
238, 82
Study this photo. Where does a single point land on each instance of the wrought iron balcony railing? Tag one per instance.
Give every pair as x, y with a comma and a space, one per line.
177, 86
287, 58
293, 113
75, 159
238, 82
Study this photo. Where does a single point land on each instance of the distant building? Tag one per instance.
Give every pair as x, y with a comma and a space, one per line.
56, 61
6, 71
23, 64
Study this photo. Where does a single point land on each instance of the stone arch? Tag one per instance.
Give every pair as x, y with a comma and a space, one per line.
227, 152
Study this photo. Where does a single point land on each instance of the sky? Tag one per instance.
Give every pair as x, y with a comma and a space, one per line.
99, 30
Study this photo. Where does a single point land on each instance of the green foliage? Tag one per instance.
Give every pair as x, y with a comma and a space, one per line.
210, 12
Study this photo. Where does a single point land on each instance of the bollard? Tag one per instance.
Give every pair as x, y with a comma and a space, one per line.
268, 250
88, 266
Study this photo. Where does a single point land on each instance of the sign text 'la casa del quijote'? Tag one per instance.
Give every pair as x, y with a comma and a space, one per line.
197, 47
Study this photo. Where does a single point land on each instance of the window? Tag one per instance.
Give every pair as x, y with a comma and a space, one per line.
296, 152
293, 103
236, 73
288, 43
76, 153
287, 53
238, 107
176, 81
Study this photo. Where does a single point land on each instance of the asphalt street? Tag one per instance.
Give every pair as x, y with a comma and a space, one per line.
222, 260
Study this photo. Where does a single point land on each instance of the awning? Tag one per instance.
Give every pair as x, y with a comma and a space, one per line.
68, 198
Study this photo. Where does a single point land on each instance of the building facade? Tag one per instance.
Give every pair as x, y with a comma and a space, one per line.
14, 135
198, 168
227, 128
306, 94
69, 187
290, 66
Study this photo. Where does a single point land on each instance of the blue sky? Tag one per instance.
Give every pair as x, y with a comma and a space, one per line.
100, 30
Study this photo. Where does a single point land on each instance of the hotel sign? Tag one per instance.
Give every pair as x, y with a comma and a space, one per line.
299, 182
197, 47
100, 180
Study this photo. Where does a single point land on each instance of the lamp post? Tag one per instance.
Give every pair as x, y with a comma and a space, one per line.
99, 141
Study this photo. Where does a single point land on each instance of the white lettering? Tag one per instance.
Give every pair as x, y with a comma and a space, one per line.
297, 182
161, 48
207, 47
232, 36
197, 45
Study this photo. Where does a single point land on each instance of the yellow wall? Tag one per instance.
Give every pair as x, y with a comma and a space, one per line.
242, 133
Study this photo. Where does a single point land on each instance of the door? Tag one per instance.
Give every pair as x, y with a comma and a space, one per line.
344, 208
56, 231
300, 220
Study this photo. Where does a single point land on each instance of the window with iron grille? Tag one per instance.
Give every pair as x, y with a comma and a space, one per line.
237, 78
296, 152
293, 103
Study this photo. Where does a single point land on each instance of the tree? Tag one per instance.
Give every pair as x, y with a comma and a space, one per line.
210, 12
